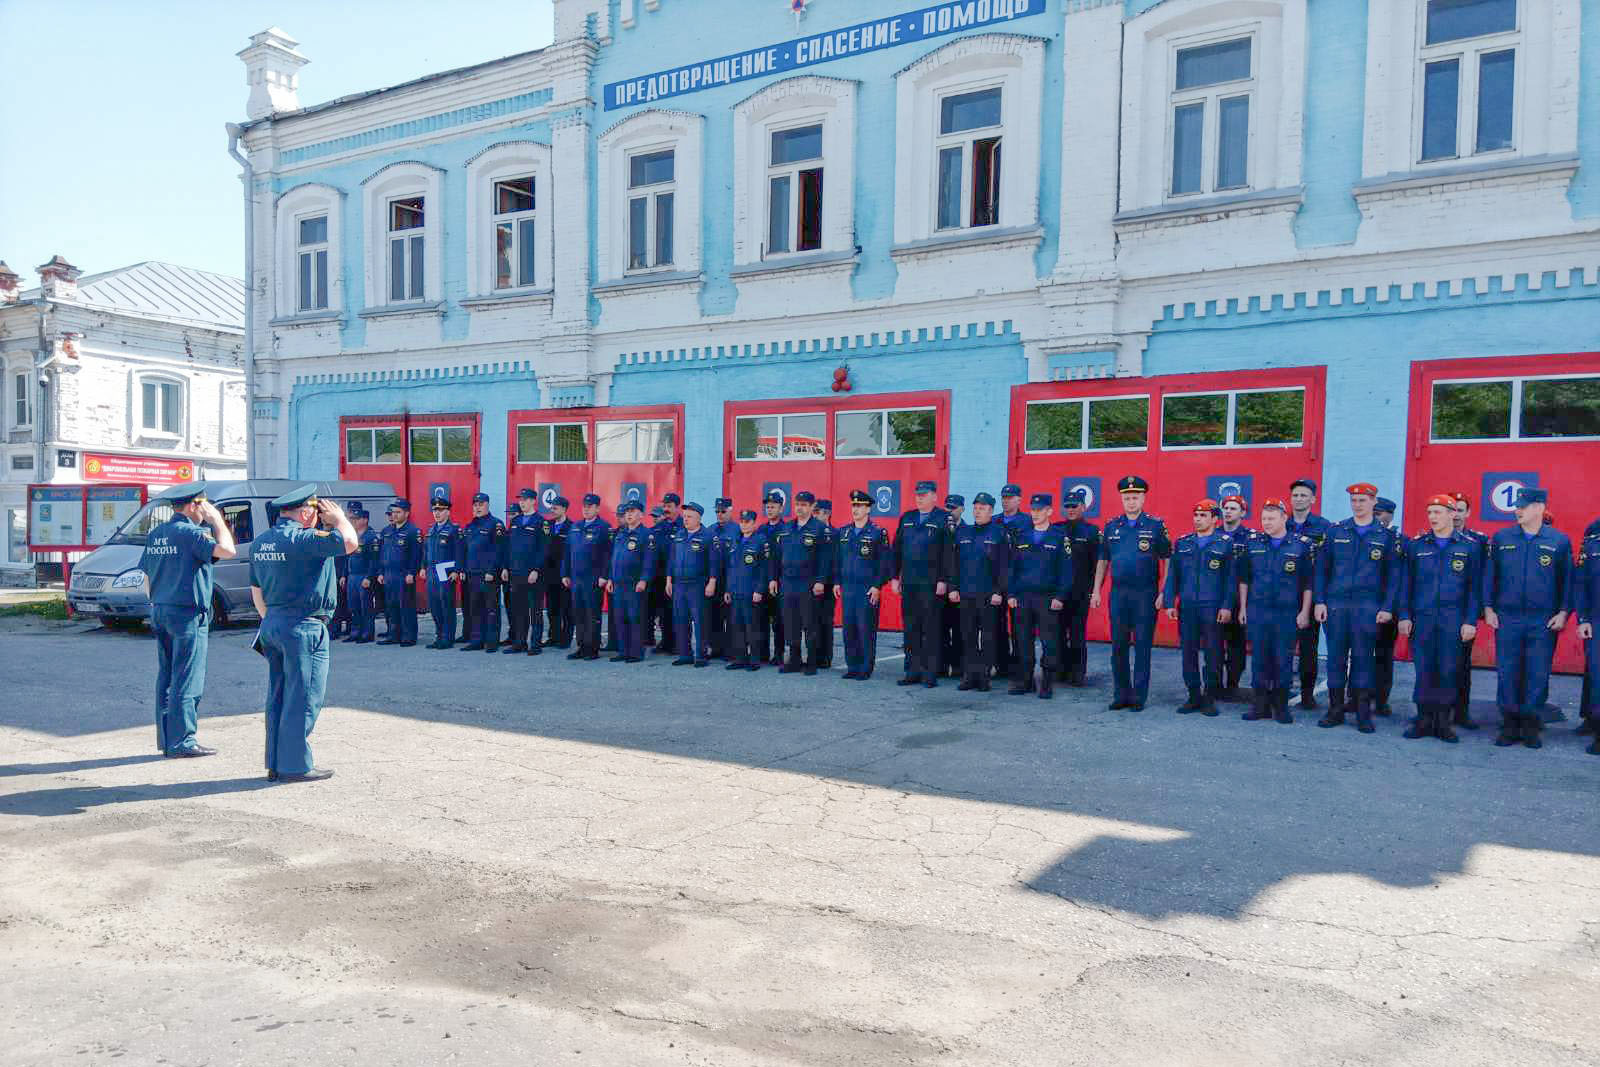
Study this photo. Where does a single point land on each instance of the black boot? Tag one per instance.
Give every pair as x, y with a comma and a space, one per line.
1195, 703
1510, 731
1441, 724
1363, 702
1422, 725
1281, 706
1335, 716
1530, 731
1308, 698
1047, 685
1208, 704
1259, 706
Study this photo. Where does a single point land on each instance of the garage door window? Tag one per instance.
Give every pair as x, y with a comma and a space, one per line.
633, 442
560, 442
1233, 419
781, 437
441, 444
1517, 409
372, 445
1112, 424
910, 432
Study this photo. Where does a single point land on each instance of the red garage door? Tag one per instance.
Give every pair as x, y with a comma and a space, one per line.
616, 452
1190, 435
883, 443
1485, 427
422, 454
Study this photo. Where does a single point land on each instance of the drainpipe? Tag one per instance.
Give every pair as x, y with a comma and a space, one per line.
42, 393
234, 133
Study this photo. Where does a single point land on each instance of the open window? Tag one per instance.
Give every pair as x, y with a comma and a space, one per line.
508, 221
794, 162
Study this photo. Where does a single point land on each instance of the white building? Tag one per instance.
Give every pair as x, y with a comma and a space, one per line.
132, 375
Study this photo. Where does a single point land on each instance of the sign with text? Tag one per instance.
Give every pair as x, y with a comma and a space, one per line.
940, 20
109, 506
75, 518
150, 470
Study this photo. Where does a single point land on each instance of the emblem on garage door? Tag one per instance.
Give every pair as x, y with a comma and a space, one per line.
885, 497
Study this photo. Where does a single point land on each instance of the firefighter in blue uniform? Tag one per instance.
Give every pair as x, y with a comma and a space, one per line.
1438, 607
399, 559
772, 507
950, 657
1307, 523
1084, 537
726, 531
558, 598
527, 539
979, 564
660, 607
583, 573
360, 574
919, 552
292, 585
1131, 550
443, 545
827, 605
1274, 573
694, 569
647, 625
177, 564
1355, 584
1586, 597
1015, 519
1388, 632
803, 553
1462, 708
863, 563
1202, 595
1234, 652
1036, 588
632, 569
748, 571
1527, 595
482, 559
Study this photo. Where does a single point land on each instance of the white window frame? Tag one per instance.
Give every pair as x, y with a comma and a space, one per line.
1083, 403
1015, 65
438, 437
966, 142
791, 104
634, 436
883, 439
498, 162
1468, 52
651, 195
827, 446
306, 302
1545, 105
1210, 97
1277, 29
1233, 418
161, 382
588, 445
307, 201
19, 394
398, 181
1517, 381
372, 434
645, 132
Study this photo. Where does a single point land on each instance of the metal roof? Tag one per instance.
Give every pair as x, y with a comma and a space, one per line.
164, 291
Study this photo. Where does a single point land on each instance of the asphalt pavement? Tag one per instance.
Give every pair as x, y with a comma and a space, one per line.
536, 861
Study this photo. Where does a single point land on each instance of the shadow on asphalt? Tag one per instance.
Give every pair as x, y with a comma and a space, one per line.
75, 800
8, 770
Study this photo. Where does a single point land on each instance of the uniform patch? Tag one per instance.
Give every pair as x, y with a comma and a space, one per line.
1545, 561
1377, 553
866, 549
1216, 564
1144, 544
1458, 564
809, 540
1288, 566
633, 543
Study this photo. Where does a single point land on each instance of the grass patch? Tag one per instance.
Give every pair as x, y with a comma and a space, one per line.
35, 609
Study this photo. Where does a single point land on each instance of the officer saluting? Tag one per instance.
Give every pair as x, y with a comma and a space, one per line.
1527, 591
694, 566
482, 560
863, 565
1201, 593
979, 561
360, 574
1131, 550
1438, 607
399, 558
919, 548
749, 569
1275, 603
1041, 574
1356, 582
583, 571
177, 561
292, 585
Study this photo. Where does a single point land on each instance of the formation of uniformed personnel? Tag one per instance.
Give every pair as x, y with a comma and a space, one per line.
694, 569
1355, 586
1275, 603
177, 561
482, 561
1039, 577
1235, 509
748, 572
399, 558
979, 565
632, 569
828, 605
442, 548
1306, 523
865, 564
558, 598
527, 545
1083, 537
292, 585
1132, 549
1586, 600
1527, 594
1388, 632
1201, 593
1438, 608
803, 559
584, 571
361, 573
919, 551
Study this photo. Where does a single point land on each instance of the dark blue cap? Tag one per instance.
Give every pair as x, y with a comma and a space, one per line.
983, 498
1384, 504
671, 498
1011, 489
696, 508
305, 494
180, 494
724, 502
438, 502
824, 504
480, 498
805, 496
1040, 500
1531, 494
955, 500
860, 496
591, 498
630, 504
927, 487
561, 502
749, 515
1307, 482
402, 503
1076, 496
772, 498
656, 512
1132, 483
527, 494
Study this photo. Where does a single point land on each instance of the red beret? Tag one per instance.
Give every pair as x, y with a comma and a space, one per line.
1444, 500
1362, 487
1274, 502
1237, 499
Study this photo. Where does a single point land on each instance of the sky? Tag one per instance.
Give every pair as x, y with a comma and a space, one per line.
112, 141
